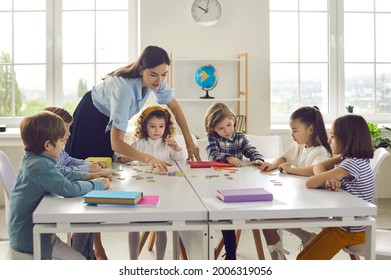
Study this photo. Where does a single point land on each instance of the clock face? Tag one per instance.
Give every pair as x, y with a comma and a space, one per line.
206, 12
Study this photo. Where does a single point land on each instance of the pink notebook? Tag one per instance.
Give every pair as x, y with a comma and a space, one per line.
149, 200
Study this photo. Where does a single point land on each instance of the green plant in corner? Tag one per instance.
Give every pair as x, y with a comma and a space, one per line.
379, 140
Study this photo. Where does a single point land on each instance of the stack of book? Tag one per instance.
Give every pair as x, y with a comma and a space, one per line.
105, 160
112, 197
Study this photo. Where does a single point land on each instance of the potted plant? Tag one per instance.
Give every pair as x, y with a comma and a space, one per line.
379, 140
350, 108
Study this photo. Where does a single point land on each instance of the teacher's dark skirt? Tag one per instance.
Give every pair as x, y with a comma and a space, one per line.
88, 136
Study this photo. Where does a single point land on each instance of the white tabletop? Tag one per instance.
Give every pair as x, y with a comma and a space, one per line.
291, 199
178, 201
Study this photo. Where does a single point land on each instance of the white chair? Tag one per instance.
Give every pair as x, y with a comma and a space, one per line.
383, 236
270, 146
7, 180
144, 235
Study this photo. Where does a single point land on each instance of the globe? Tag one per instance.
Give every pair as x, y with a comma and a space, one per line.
206, 77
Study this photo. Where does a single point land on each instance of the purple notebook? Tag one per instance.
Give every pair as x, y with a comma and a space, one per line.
244, 195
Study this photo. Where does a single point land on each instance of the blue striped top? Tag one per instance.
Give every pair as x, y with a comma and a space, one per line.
362, 183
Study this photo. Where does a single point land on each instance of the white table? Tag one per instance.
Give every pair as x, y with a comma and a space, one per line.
293, 205
179, 211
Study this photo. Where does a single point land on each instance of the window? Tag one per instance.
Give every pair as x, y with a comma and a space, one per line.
52, 52
330, 54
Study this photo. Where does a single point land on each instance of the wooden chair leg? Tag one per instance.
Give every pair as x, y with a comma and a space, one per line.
151, 241
219, 247
182, 250
238, 234
143, 239
354, 257
258, 244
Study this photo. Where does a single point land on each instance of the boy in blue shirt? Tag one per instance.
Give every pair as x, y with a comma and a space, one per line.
43, 135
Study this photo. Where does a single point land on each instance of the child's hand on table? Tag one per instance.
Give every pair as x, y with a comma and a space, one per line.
95, 167
266, 166
234, 161
256, 162
285, 167
106, 182
102, 174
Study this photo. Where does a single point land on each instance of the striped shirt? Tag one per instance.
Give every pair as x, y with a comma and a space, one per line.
361, 185
72, 163
219, 148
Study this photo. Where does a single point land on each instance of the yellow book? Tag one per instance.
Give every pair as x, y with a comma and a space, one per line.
106, 160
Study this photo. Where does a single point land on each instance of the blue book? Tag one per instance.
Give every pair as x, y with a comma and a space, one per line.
112, 197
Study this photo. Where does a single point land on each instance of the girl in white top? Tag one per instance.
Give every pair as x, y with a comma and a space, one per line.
310, 147
154, 136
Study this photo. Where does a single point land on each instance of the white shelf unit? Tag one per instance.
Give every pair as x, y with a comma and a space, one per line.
232, 88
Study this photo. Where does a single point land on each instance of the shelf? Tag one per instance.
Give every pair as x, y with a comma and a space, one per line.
232, 87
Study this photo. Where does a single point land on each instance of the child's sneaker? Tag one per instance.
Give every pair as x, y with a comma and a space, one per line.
309, 240
277, 252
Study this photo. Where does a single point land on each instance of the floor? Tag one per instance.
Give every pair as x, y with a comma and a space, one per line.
116, 243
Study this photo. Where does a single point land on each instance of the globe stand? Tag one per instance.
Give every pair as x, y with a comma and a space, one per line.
207, 95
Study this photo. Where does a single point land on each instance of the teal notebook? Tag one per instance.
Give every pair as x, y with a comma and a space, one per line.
112, 197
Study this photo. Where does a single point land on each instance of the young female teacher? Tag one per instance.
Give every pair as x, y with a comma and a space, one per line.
101, 118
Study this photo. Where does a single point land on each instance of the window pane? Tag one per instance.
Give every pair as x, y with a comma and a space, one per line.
283, 33
313, 37
77, 80
5, 5
28, 5
359, 38
359, 87
383, 38
383, 88
111, 5
283, 88
6, 86
109, 45
31, 81
78, 5
283, 5
103, 69
358, 5
78, 39
6, 34
314, 86
383, 6
313, 5
30, 37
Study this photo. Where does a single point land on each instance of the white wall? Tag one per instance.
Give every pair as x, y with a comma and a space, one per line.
242, 27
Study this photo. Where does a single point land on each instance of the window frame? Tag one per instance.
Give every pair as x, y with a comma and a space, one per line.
336, 73
54, 64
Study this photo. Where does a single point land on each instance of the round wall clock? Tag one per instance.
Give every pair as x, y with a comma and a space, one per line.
206, 12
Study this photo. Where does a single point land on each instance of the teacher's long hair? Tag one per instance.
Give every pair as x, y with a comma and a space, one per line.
151, 57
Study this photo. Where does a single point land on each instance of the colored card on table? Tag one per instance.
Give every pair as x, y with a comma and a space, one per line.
244, 195
149, 200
